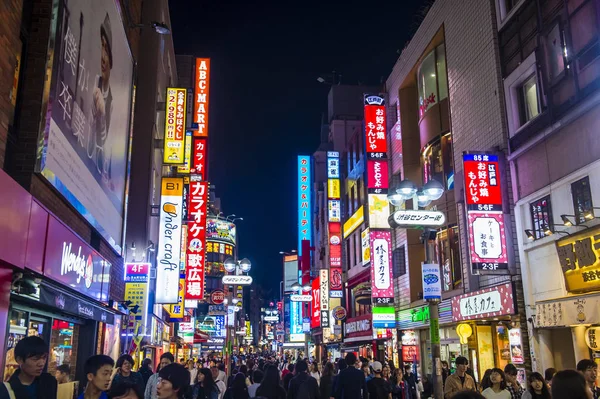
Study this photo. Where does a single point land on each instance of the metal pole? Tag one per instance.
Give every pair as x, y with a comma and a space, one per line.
434, 328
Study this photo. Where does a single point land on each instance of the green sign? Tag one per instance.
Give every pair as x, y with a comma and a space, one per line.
434, 331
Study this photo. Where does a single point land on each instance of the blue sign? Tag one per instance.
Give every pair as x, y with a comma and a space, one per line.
296, 322
304, 201
432, 285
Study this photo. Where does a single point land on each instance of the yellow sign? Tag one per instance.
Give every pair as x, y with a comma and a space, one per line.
176, 311
175, 126
579, 257
354, 221
137, 293
333, 188
187, 154
366, 246
379, 211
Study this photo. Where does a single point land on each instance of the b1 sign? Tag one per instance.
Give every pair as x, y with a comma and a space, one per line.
432, 285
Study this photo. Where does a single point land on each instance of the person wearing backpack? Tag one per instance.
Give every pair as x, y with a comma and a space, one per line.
29, 381
303, 386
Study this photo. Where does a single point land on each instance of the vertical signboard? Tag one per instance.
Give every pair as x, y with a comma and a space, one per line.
315, 314
196, 241
187, 157
377, 162
136, 291
483, 196
176, 310
432, 283
198, 166
201, 96
324, 294
169, 240
304, 201
382, 287
334, 226
174, 150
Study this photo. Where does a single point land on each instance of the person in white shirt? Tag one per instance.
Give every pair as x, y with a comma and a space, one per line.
191, 366
498, 389
216, 373
257, 377
315, 373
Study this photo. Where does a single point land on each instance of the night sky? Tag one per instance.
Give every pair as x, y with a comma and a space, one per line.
266, 103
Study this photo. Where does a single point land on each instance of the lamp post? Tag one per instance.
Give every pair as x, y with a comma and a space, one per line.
431, 191
236, 267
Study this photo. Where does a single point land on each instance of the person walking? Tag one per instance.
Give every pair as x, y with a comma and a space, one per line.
400, 388
326, 385
303, 385
174, 382
412, 380
270, 386
29, 381
512, 385
216, 373
238, 389
537, 388
99, 373
314, 372
146, 370
548, 375
205, 386
498, 389
460, 380
165, 359
63, 374
378, 387
257, 377
288, 377
125, 373
445, 371
589, 369
570, 384
351, 383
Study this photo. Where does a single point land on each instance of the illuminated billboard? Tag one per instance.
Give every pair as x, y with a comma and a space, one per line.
174, 146
382, 284
220, 230
304, 201
196, 241
290, 272
201, 96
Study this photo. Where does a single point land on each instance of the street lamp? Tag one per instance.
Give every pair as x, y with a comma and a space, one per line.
421, 198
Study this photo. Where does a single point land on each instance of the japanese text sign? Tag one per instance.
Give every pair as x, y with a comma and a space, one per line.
482, 182
333, 165
489, 302
201, 96
335, 244
432, 284
375, 127
185, 168
199, 158
136, 291
579, 257
414, 218
315, 314
174, 150
304, 201
333, 188
381, 265
137, 272
324, 294
335, 210
377, 176
169, 240
196, 241
176, 311
487, 241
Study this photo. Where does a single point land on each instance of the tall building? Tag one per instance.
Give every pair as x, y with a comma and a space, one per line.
446, 122
550, 63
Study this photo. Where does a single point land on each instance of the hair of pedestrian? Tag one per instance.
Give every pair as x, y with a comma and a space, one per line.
585, 364
123, 388
301, 366
569, 384
350, 359
168, 356
462, 360
510, 369
124, 358
64, 368
549, 373
257, 376
96, 362
30, 347
291, 367
502, 374
178, 376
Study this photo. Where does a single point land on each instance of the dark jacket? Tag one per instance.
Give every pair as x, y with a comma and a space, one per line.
401, 390
134, 377
379, 388
46, 387
286, 381
326, 387
310, 385
262, 392
146, 373
411, 380
351, 384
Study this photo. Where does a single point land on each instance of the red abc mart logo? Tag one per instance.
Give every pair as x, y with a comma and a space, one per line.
217, 297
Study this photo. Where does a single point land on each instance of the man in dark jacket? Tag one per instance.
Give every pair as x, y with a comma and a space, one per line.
351, 383
303, 386
29, 381
411, 379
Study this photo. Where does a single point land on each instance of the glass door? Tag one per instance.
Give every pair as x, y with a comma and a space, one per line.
17, 330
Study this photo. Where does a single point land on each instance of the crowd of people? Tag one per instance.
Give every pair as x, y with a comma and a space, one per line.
269, 377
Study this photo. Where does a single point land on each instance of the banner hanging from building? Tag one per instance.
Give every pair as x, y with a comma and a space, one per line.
136, 292
174, 147
201, 96
382, 284
324, 296
168, 253
196, 241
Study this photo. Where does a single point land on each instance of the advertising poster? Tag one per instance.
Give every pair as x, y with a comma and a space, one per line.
174, 150
220, 230
432, 284
187, 158
168, 254
315, 315
85, 140
290, 267
379, 211
516, 346
365, 246
136, 291
381, 266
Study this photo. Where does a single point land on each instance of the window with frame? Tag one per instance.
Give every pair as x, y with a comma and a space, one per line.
529, 105
555, 51
582, 200
399, 261
448, 254
541, 216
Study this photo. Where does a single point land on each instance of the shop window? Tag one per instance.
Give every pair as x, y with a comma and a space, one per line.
582, 200
428, 93
442, 76
61, 344
529, 106
433, 165
399, 261
448, 254
541, 216
17, 330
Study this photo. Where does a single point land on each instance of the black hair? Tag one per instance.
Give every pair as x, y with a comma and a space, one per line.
585, 364
510, 369
96, 362
169, 356
569, 384
209, 384
462, 360
30, 347
537, 376
270, 383
301, 366
178, 376
549, 373
350, 359
485, 381
123, 358
502, 374
468, 395
146, 362
257, 376
291, 367
64, 368
238, 386
122, 388
341, 364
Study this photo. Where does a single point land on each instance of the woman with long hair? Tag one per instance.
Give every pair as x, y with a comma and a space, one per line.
270, 387
205, 386
400, 388
315, 373
326, 385
498, 389
537, 388
238, 389
570, 384
485, 381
